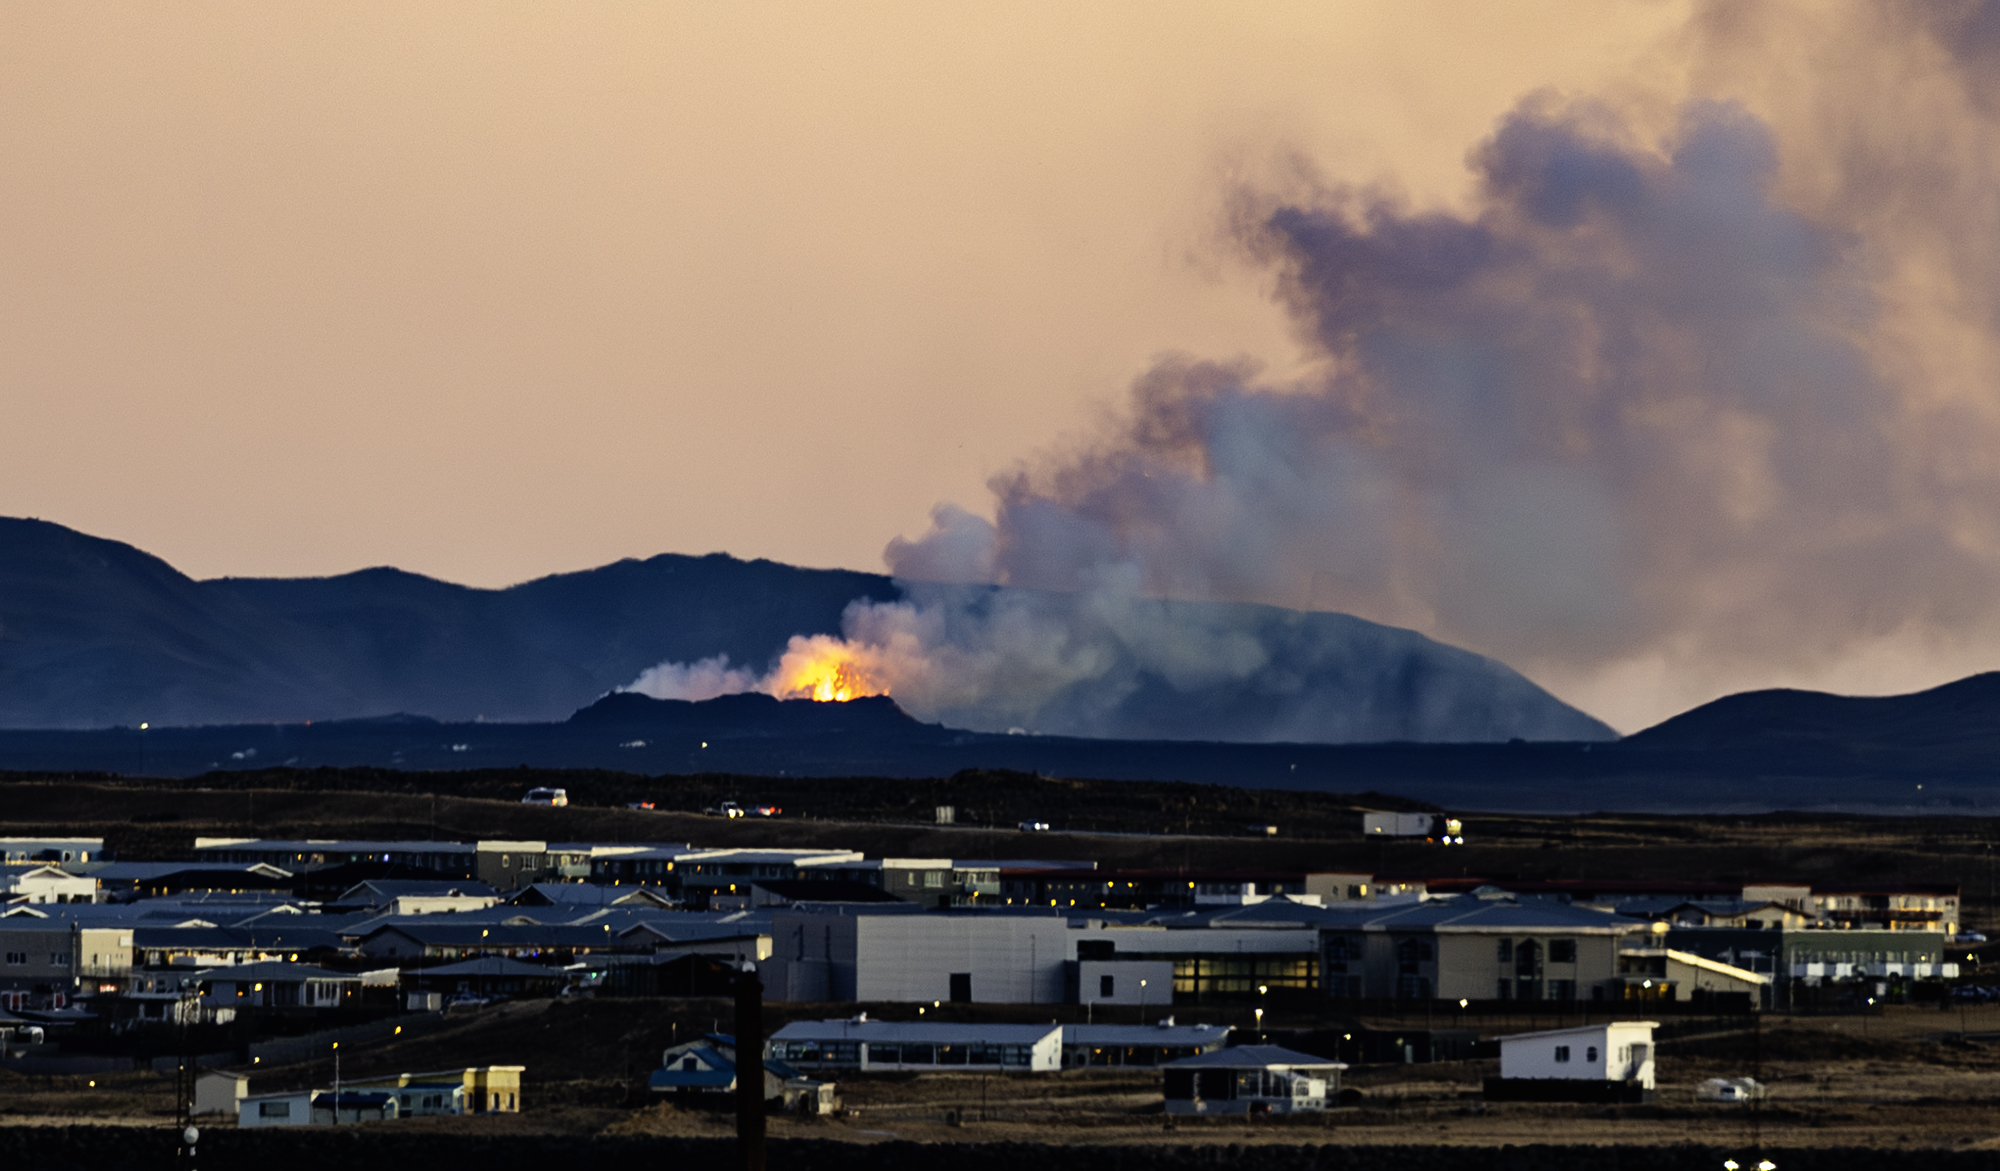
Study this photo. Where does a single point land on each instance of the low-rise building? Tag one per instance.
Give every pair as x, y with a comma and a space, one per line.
1590, 1063
1145, 1046
1251, 1079
862, 1044
278, 984
43, 883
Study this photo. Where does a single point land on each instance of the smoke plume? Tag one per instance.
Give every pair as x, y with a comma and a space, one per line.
1694, 394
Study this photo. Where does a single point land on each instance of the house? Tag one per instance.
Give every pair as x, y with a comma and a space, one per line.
1489, 947
278, 984
926, 881
862, 1044
1251, 1079
404, 896
570, 895
41, 883
350, 1108
1887, 906
1117, 1046
489, 1089
704, 1072
58, 850
1590, 1063
1662, 973
216, 1092
296, 856
491, 976
292, 1108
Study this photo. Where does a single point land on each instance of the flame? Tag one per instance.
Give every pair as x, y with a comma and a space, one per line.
827, 670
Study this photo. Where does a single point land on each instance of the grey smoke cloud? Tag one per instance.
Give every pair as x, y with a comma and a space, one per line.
1633, 404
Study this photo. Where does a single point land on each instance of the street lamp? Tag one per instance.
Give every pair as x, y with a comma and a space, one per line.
1142, 1002
1261, 990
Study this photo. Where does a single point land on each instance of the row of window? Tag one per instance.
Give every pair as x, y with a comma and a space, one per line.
902, 1053
57, 959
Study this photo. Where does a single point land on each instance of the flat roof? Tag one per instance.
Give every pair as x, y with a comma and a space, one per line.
943, 1032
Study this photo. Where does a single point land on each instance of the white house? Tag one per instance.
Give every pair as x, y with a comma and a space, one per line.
45, 884
290, 1109
1608, 1062
1251, 1079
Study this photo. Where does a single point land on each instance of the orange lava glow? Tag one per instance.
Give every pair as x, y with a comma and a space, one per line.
830, 675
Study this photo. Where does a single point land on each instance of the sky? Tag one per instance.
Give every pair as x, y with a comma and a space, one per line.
1646, 347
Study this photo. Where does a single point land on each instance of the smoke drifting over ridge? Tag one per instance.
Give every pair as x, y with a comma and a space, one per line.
1693, 395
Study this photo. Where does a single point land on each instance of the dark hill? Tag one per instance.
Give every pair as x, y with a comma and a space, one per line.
95, 633
1949, 728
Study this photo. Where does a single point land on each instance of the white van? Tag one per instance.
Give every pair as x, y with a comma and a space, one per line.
546, 797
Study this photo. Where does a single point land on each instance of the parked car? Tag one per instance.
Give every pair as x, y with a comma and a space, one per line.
1973, 994
638, 805
726, 809
467, 1000
1968, 937
546, 797
1030, 827
767, 811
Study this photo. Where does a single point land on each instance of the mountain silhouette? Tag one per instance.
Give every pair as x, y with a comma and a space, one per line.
95, 633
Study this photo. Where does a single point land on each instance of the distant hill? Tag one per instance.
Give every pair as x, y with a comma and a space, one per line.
1951, 728
95, 634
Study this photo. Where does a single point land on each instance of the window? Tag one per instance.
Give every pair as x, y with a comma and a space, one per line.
1562, 1053
933, 878
689, 1062
1590, 1053
274, 1109
961, 987
17, 957
1562, 951
1562, 989
1506, 951
1106, 984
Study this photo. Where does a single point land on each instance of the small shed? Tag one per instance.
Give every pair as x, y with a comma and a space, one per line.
216, 1092
1251, 1079
1611, 1062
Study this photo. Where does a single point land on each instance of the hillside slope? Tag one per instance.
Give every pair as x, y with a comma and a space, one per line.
95, 633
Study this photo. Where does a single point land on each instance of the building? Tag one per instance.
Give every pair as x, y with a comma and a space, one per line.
1251, 1079
486, 1089
406, 896
292, 1108
704, 1072
1118, 1046
352, 1107
1474, 948
1591, 1063
929, 882
862, 1044
1663, 974
450, 858
906, 955
491, 976
58, 850
216, 1092
278, 984
43, 883
1212, 957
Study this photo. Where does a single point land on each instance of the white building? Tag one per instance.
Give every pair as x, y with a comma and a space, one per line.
220, 1093
45, 884
1251, 1079
1608, 1062
918, 957
289, 1109
863, 1044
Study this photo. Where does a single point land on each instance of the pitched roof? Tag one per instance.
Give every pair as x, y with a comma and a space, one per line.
918, 1032
492, 966
1254, 1057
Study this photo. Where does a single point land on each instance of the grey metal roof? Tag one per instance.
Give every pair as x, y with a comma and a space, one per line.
1254, 1057
273, 970
1136, 1035
941, 1033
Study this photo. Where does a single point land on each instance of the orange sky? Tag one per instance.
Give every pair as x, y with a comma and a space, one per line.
492, 290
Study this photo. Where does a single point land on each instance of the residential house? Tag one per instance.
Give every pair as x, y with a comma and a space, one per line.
43, 883
1590, 1063
1251, 1079
278, 984
450, 858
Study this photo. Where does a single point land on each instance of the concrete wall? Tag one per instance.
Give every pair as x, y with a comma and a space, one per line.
1125, 976
911, 958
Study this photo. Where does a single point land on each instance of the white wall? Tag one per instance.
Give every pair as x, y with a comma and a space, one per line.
1621, 1051
1125, 976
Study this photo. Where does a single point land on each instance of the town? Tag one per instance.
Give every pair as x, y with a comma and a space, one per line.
1235, 992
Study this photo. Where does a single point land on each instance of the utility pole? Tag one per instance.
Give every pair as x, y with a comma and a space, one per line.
749, 1070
